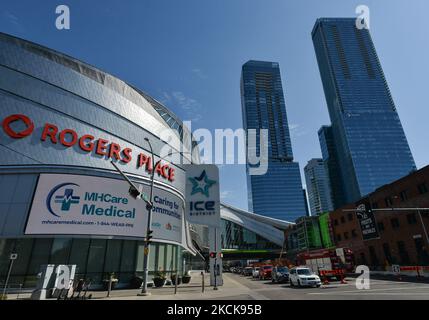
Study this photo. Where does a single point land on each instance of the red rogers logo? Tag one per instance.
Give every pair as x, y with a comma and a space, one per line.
15, 117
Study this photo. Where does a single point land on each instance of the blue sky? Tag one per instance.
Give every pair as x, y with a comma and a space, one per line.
189, 53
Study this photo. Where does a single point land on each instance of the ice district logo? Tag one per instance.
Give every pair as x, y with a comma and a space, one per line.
201, 184
65, 199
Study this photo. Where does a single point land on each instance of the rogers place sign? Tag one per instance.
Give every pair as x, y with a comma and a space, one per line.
86, 142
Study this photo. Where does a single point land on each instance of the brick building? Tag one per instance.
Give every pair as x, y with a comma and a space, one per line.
402, 237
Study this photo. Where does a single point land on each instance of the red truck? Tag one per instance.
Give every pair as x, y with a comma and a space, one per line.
328, 259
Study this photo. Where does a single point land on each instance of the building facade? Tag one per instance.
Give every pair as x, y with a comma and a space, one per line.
247, 235
330, 161
402, 234
263, 107
367, 135
64, 121
318, 187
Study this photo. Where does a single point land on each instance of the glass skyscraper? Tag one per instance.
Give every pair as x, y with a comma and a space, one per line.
366, 133
330, 161
278, 193
318, 187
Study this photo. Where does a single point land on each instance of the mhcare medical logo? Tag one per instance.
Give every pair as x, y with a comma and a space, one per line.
63, 195
201, 184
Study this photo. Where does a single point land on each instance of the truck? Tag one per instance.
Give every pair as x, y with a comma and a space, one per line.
327, 260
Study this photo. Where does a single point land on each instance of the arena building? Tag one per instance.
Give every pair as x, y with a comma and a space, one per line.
63, 122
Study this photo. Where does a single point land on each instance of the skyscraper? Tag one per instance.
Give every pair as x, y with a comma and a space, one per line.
278, 193
318, 187
330, 161
368, 137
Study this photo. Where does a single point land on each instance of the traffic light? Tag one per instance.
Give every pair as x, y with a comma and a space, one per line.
134, 192
212, 255
149, 235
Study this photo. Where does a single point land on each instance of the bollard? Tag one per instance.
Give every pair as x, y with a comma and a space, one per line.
202, 279
343, 278
418, 272
110, 286
175, 283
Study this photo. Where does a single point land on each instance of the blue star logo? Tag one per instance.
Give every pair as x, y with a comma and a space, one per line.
201, 184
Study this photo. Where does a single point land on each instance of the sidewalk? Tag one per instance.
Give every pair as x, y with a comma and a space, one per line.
231, 289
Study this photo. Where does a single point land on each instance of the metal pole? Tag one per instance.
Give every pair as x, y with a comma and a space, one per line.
149, 224
7, 278
423, 226
215, 260
109, 288
175, 282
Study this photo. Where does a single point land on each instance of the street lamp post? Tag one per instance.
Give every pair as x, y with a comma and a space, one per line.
149, 205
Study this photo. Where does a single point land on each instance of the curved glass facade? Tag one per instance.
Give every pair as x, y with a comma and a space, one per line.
235, 236
51, 88
95, 259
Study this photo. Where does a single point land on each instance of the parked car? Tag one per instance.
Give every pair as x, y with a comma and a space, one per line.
303, 276
265, 272
247, 271
255, 272
280, 274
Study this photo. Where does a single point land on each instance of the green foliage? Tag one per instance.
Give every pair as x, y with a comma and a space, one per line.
160, 275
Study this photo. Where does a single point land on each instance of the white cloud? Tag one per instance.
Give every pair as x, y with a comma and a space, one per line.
177, 98
296, 130
10, 17
225, 194
199, 73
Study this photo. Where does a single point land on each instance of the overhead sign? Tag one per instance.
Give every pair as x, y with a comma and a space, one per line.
87, 205
367, 222
202, 194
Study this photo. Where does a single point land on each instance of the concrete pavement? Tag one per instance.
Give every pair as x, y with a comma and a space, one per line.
238, 287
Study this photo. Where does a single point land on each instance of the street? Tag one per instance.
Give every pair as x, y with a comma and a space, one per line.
379, 289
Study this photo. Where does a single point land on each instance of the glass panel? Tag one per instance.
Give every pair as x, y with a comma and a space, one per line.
161, 256
60, 250
128, 260
140, 256
6, 248
39, 256
96, 255
152, 258
23, 248
79, 255
113, 256
169, 257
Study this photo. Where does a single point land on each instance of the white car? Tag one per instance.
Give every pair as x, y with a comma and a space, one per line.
303, 276
255, 272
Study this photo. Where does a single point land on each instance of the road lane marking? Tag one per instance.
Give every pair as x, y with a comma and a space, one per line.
372, 290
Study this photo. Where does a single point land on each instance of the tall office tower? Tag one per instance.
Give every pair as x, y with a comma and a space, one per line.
318, 187
278, 193
330, 161
367, 134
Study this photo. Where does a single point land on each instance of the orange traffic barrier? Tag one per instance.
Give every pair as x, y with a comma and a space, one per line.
418, 269
326, 273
